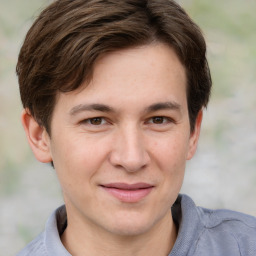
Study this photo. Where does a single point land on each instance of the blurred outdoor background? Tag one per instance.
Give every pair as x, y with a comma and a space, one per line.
221, 175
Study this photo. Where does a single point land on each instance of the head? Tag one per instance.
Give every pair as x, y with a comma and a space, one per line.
113, 92
62, 46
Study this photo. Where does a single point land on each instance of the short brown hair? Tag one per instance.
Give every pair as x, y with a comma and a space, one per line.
64, 42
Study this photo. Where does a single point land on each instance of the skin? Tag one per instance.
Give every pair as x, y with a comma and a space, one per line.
129, 125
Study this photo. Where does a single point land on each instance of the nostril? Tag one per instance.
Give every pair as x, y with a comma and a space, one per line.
129, 152
129, 163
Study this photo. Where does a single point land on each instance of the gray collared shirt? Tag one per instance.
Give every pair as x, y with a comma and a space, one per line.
201, 232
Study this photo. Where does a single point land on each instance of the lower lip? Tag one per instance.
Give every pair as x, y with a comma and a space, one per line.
129, 196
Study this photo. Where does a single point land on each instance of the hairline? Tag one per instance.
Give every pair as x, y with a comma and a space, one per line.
153, 41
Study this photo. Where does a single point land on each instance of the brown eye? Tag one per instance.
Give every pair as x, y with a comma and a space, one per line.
158, 120
95, 121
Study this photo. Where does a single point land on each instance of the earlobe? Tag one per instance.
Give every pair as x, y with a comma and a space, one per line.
37, 137
194, 137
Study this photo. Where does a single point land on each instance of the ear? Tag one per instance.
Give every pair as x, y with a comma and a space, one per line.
37, 137
194, 136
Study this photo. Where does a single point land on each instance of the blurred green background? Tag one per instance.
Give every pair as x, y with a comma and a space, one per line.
223, 172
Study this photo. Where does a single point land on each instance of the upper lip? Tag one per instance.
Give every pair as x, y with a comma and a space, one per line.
126, 186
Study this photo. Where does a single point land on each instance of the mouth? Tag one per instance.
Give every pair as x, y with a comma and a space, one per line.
129, 193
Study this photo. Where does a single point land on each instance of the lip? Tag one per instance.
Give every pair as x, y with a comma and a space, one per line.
129, 193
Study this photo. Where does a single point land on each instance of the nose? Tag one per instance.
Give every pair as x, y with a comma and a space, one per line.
129, 150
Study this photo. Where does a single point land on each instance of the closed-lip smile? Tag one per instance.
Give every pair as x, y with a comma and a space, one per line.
129, 193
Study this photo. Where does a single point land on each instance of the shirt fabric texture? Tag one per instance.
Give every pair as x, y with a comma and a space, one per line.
201, 232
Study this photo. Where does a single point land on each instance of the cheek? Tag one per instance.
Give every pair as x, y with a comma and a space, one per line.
74, 167
171, 152
78, 158
170, 156
173, 167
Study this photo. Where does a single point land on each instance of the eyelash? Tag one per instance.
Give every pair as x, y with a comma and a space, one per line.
101, 120
164, 120
90, 120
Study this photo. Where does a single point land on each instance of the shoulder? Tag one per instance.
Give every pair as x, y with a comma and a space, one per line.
227, 231
235, 222
213, 218
212, 232
35, 248
49, 243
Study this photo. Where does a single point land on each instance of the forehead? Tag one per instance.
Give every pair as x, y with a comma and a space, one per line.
145, 74
141, 63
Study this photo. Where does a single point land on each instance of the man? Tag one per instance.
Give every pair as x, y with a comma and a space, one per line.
113, 93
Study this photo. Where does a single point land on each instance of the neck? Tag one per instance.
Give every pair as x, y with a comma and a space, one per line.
159, 240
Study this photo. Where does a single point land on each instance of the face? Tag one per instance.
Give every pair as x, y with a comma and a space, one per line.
120, 143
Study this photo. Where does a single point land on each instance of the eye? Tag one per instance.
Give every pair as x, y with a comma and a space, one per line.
159, 120
95, 121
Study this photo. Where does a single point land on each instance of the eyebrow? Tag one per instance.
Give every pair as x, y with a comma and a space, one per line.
171, 105
90, 107
105, 108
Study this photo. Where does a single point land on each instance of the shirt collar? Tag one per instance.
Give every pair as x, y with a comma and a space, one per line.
185, 216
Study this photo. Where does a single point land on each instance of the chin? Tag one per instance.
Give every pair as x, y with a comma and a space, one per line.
130, 230
130, 225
